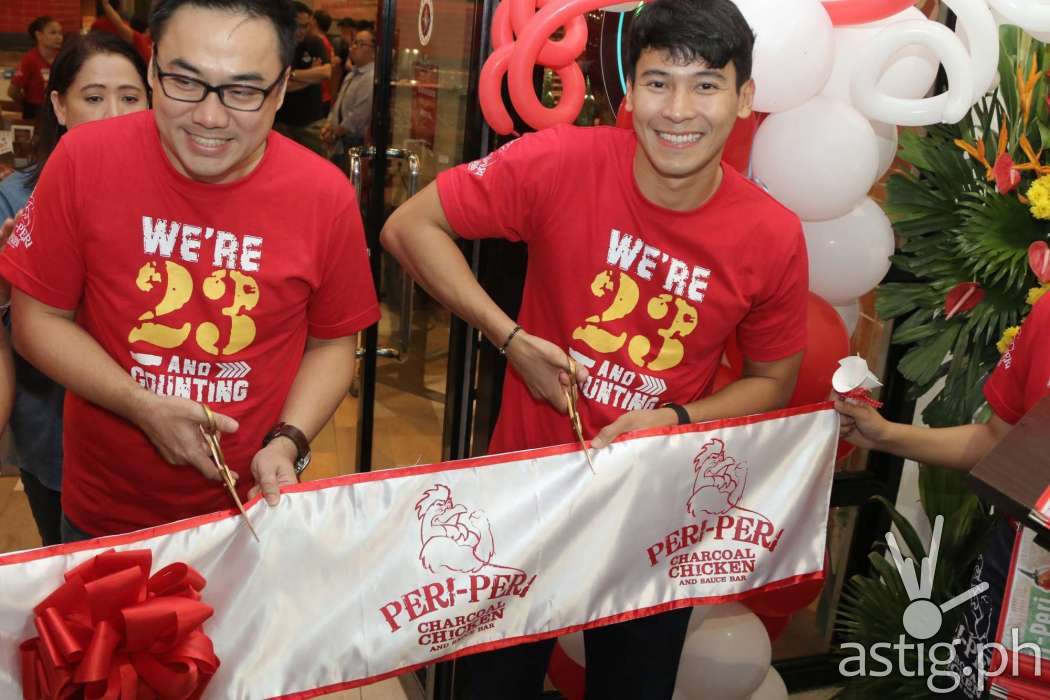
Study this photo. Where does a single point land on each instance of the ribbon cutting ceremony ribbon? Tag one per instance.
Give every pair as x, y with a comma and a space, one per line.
368, 575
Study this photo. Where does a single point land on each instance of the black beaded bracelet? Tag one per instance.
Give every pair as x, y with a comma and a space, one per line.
683, 415
503, 348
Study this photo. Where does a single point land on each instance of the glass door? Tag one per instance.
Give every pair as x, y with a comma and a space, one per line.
425, 120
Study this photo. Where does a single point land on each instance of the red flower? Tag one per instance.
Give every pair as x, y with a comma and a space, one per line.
1006, 178
961, 298
1039, 261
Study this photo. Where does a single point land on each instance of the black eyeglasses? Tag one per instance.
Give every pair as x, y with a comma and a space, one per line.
241, 98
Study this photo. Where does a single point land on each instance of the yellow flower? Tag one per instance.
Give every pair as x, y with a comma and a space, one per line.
1008, 338
1039, 197
1036, 293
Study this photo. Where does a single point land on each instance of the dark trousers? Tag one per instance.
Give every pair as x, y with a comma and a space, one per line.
637, 659
46, 506
72, 533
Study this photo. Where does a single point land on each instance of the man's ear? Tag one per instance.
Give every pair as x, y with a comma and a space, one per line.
628, 97
746, 99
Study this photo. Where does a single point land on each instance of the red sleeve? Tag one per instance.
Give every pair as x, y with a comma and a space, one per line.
43, 256
775, 327
345, 302
22, 73
1005, 389
502, 194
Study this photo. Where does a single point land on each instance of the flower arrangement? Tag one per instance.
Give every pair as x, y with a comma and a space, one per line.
973, 234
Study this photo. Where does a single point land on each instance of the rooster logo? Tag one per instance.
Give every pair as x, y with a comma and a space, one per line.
719, 482
451, 538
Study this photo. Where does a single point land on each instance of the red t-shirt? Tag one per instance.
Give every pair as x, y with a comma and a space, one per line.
1022, 376
203, 291
644, 296
31, 76
326, 87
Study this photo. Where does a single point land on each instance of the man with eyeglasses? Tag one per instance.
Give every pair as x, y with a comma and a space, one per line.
351, 116
186, 256
302, 114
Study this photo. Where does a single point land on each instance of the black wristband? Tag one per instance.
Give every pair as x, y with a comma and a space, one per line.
683, 415
506, 343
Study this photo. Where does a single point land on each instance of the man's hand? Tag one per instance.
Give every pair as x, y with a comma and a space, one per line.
634, 420
861, 425
7, 228
544, 367
273, 467
174, 425
327, 136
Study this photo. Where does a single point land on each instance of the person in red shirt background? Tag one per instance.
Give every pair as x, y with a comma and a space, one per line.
110, 21
30, 79
1021, 379
646, 253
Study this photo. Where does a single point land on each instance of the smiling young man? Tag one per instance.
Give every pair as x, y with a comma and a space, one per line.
646, 254
189, 255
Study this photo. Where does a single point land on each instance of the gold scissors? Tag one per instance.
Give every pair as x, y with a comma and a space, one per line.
572, 395
211, 436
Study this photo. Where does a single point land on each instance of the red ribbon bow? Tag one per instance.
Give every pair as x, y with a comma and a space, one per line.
113, 632
863, 395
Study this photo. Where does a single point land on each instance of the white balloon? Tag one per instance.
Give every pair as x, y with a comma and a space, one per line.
572, 645
1030, 15
948, 107
725, 658
886, 137
1034, 33
819, 160
621, 7
909, 74
772, 687
850, 314
982, 41
849, 255
794, 51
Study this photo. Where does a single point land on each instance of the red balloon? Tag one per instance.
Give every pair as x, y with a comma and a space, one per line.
566, 675
827, 342
774, 624
843, 12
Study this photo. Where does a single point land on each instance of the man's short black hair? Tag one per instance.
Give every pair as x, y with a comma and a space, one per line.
347, 22
324, 20
712, 31
302, 8
279, 12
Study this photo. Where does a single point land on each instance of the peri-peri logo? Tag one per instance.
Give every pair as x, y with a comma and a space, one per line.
23, 231
455, 540
723, 538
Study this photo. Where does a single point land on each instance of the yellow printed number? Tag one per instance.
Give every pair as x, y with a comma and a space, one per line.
179, 290
625, 296
624, 291
242, 328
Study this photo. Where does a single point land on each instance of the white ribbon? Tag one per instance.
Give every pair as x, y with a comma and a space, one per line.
368, 575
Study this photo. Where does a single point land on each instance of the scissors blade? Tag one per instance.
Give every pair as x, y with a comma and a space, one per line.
226, 474
571, 397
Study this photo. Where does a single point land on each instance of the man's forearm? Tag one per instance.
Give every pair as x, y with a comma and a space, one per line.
744, 397
65, 352
435, 261
323, 379
312, 75
959, 447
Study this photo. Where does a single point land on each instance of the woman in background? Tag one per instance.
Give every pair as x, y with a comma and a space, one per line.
28, 84
94, 77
